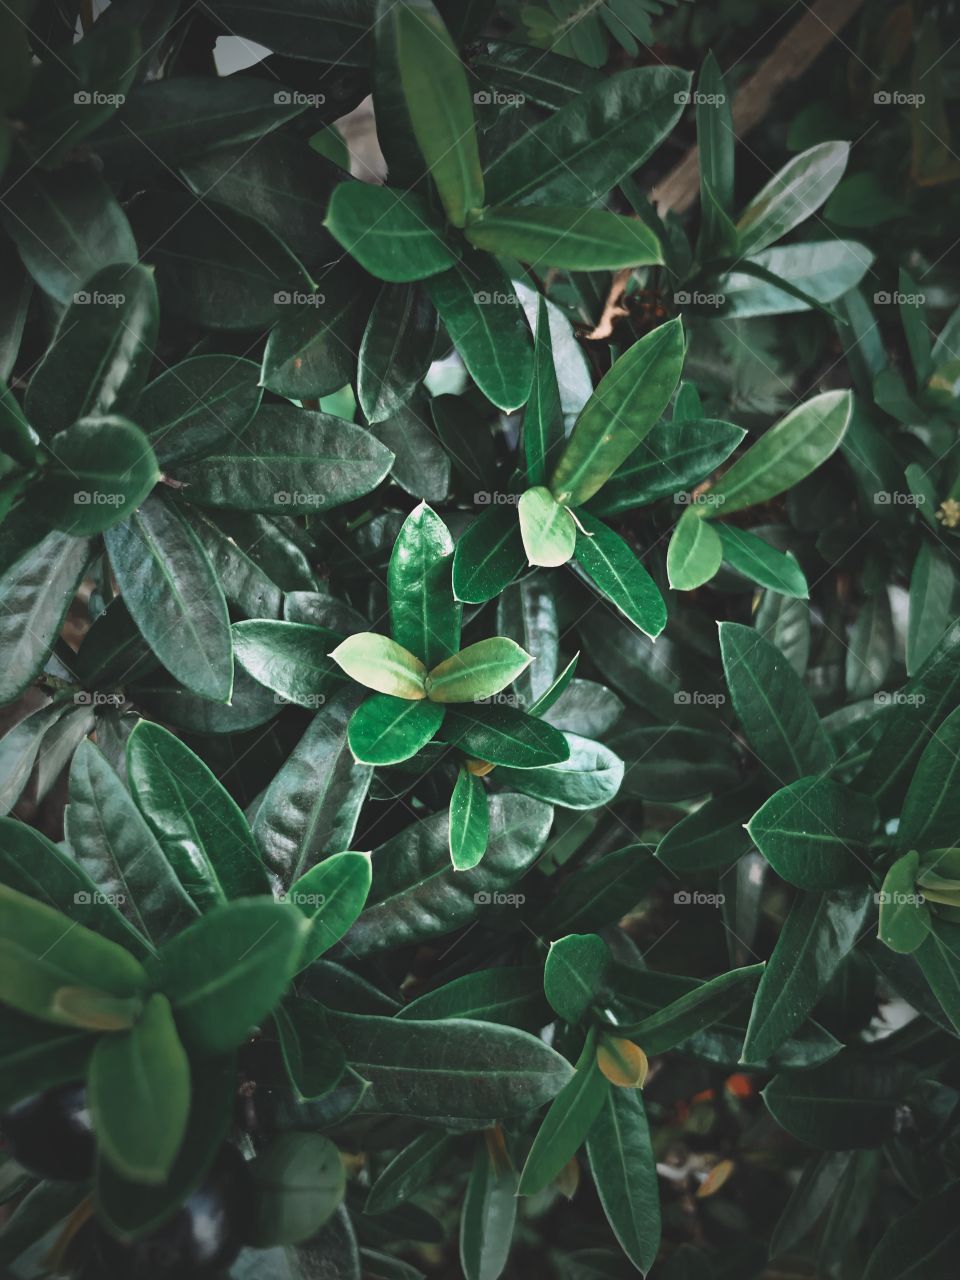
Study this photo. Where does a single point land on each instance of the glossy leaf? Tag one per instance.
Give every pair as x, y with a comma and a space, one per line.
574, 975
548, 530
441, 112
695, 552
792, 195
201, 831
624, 1171
314, 1060
501, 735
197, 405
930, 813
170, 588
621, 578
138, 1088
99, 360
573, 238
589, 777
388, 730
786, 454
227, 971
622, 410
423, 617
775, 710
543, 434
101, 470
567, 1123
477, 672
396, 350
392, 234
292, 658
489, 1211
488, 556
380, 663
469, 821
486, 324
816, 833
331, 895
289, 460
846, 1104
904, 917
761, 563
455, 1068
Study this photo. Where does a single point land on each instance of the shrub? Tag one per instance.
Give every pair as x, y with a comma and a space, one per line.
481, 678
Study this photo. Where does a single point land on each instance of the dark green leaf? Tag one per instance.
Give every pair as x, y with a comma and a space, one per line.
455, 1068
102, 469
567, 1123
904, 916
589, 777
488, 556
931, 809
314, 1060
847, 1104
202, 832
197, 405
816, 833
331, 895
392, 234
614, 568
695, 552
298, 1182
423, 617
761, 563
99, 359
292, 658
499, 734
572, 238
409, 1171
227, 971
543, 417
386, 730
489, 1214
469, 821
624, 1172
172, 593
575, 974
138, 1088
396, 350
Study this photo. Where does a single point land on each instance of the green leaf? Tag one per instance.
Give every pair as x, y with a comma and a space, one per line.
694, 1012
392, 234
695, 552
100, 356
379, 663
62, 953
715, 153
290, 461
548, 530
486, 323
849, 1103
227, 971
36, 1056
101, 470
774, 708
511, 994
312, 349
67, 226
469, 821
596, 895
931, 595
292, 658
298, 1181
543, 435
489, 1213
582, 151
138, 1088
133, 1209
416, 894
113, 843
816, 834
314, 1060
527, 613
904, 916
931, 809
411, 1169
624, 1172
920, 1243
575, 974
488, 555
673, 457
622, 410
939, 958
761, 563
423, 616
202, 832
198, 404
786, 454
421, 465
589, 777
501, 735
817, 935
216, 267
441, 111
312, 805
567, 1123
35, 593
792, 195
870, 647
795, 277
396, 350
170, 588
615, 569
32, 864
477, 672
572, 238
451, 1068
285, 184
388, 730
331, 895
